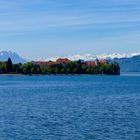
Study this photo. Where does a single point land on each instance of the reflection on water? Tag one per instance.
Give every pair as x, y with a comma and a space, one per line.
130, 73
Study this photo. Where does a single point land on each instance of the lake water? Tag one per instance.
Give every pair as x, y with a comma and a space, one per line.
70, 107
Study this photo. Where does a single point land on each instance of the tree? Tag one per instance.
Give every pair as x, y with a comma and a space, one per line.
3, 68
27, 67
9, 65
17, 68
43, 69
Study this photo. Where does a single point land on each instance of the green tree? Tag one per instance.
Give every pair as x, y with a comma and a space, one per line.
43, 69
9, 65
28, 68
3, 68
17, 68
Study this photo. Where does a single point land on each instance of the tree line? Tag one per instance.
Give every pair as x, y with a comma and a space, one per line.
72, 67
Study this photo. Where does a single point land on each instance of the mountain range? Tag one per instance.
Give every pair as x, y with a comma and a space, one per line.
131, 64
128, 62
4, 55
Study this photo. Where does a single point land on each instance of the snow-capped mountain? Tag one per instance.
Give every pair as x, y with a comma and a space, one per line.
4, 55
90, 57
127, 62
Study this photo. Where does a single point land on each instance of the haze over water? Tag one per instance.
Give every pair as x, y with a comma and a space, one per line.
70, 107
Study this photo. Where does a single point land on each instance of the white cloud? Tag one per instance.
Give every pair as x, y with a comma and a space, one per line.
43, 20
16, 18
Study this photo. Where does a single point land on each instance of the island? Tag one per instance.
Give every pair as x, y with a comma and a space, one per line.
60, 66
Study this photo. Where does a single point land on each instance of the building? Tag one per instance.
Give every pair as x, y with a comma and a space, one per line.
90, 63
46, 63
96, 62
104, 61
62, 61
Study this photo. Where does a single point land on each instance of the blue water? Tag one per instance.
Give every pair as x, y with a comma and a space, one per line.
70, 107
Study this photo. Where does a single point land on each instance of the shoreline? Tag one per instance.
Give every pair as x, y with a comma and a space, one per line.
15, 74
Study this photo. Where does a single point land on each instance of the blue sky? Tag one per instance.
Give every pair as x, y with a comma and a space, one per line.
47, 28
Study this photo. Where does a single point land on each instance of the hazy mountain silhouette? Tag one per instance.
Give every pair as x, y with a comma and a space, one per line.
131, 64
4, 55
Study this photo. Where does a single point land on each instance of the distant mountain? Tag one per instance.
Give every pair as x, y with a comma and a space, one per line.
4, 55
131, 64
90, 57
128, 62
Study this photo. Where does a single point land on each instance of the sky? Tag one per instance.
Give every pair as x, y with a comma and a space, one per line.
46, 28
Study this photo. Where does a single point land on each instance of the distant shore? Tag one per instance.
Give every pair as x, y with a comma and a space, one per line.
14, 74
62, 66
11, 74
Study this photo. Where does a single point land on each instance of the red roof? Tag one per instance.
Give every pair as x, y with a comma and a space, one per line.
104, 61
91, 63
58, 61
62, 60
